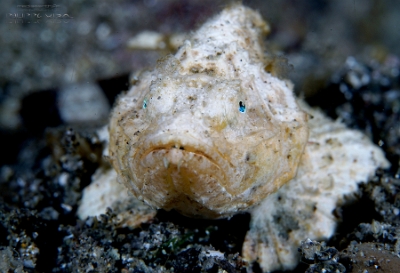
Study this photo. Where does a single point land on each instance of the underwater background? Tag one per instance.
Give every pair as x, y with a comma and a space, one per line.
62, 65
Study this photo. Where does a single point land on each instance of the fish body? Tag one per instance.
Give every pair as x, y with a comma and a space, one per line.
210, 133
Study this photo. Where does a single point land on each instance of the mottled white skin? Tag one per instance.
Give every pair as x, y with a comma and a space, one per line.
335, 160
200, 91
105, 192
102, 193
191, 149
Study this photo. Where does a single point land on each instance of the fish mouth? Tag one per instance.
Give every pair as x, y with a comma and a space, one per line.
183, 174
175, 156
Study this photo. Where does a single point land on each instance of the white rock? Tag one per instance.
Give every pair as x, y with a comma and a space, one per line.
83, 104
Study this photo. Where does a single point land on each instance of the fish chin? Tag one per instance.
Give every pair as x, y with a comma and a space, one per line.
191, 177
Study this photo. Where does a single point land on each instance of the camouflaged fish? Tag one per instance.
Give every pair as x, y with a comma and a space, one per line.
209, 132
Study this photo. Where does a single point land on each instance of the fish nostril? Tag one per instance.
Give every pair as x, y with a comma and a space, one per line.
176, 147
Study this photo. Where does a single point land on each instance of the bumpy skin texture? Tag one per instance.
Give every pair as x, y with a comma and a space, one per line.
209, 132
335, 160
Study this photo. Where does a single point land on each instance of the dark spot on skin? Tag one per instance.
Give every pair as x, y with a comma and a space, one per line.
287, 224
195, 70
159, 97
209, 71
329, 141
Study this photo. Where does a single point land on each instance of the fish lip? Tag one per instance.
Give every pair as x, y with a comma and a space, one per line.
173, 145
178, 140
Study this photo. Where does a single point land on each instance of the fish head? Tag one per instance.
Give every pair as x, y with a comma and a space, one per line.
200, 144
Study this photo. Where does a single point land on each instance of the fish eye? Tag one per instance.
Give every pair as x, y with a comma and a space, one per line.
242, 107
144, 104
